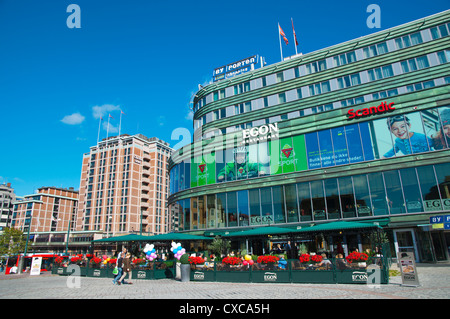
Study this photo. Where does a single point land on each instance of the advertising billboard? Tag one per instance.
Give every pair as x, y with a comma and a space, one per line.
235, 68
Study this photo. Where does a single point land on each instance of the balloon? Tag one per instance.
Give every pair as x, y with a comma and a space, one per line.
245, 262
104, 256
248, 257
105, 262
108, 259
151, 259
250, 261
148, 253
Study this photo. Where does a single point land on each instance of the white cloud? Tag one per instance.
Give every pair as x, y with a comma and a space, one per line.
190, 115
161, 120
112, 128
103, 110
73, 119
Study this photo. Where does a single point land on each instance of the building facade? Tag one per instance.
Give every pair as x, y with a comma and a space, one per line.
358, 131
7, 198
124, 186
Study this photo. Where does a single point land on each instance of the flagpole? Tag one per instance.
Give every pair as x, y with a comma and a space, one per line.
107, 129
99, 124
120, 122
295, 37
279, 38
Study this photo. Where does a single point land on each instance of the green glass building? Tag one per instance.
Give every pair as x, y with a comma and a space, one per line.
356, 132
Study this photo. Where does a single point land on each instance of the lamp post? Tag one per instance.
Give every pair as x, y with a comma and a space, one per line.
67, 239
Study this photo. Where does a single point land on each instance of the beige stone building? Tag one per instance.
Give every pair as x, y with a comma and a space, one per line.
123, 185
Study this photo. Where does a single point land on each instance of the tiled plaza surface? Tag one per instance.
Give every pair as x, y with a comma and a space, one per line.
434, 284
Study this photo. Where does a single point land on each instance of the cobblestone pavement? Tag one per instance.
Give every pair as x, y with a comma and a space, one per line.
434, 284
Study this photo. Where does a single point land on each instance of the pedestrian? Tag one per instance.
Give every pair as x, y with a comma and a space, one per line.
119, 265
126, 269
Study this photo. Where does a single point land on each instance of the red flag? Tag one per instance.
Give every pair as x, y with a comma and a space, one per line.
122, 112
295, 37
283, 35
110, 116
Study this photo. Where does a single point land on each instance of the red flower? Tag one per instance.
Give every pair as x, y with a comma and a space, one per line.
76, 259
138, 261
356, 256
267, 259
231, 260
96, 260
316, 258
59, 259
196, 260
113, 261
304, 258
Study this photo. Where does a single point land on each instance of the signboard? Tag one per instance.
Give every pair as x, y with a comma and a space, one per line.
440, 222
36, 266
235, 68
408, 269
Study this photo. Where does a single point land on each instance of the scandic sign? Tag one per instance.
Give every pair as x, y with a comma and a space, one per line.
382, 108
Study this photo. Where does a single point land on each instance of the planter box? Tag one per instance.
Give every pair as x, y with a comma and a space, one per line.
313, 276
60, 271
271, 276
203, 275
167, 273
141, 274
233, 276
351, 276
99, 272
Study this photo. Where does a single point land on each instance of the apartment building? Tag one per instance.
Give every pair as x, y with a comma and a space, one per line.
124, 186
7, 197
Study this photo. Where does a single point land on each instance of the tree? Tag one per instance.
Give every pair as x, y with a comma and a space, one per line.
219, 246
12, 241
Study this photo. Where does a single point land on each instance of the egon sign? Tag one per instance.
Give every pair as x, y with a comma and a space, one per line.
260, 133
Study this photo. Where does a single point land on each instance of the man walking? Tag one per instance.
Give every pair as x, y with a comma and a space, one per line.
119, 265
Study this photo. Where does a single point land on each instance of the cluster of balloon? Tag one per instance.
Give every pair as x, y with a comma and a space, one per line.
248, 260
105, 259
177, 250
150, 252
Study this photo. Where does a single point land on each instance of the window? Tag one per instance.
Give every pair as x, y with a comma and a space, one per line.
348, 81
443, 56
408, 40
255, 208
280, 77
319, 88
281, 98
380, 73
291, 203
332, 198
243, 208
318, 200
299, 93
345, 58
375, 50
415, 64
278, 205
439, 31
316, 66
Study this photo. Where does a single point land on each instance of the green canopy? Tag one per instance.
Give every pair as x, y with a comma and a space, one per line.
339, 225
176, 236
268, 230
161, 237
123, 238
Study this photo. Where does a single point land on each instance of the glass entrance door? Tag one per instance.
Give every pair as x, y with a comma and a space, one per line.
405, 242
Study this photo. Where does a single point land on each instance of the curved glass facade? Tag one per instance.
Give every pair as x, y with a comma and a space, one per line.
394, 192
392, 136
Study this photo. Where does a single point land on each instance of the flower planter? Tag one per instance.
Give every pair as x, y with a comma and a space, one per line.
99, 272
312, 276
203, 275
270, 276
351, 276
141, 274
61, 271
233, 275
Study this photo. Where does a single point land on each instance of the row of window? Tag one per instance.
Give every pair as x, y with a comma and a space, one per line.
335, 61
396, 135
403, 191
359, 78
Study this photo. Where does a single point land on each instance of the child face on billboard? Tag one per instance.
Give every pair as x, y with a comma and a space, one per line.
447, 130
401, 129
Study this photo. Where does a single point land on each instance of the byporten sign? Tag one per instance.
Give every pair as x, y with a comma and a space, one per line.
440, 222
235, 68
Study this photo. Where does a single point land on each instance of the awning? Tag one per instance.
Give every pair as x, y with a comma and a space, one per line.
339, 225
260, 231
176, 237
161, 237
123, 238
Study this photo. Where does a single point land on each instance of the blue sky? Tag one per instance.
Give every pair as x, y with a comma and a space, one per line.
145, 58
